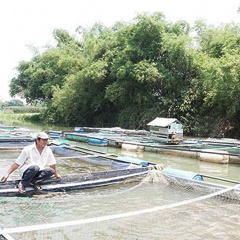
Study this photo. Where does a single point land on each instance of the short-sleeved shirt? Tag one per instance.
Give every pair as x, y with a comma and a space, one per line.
31, 156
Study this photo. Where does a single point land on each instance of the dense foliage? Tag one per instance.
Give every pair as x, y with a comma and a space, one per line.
131, 73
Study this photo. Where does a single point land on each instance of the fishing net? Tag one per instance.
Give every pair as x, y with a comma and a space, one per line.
158, 207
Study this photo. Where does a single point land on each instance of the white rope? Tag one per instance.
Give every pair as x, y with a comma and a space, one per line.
116, 216
6, 236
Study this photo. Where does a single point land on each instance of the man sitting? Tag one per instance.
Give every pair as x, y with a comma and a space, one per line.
33, 164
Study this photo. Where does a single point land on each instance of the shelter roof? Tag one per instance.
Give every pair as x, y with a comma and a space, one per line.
162, 122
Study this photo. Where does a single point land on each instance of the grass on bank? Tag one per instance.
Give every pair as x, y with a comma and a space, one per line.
20, 116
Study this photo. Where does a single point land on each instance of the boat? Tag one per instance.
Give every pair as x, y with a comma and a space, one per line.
77, 181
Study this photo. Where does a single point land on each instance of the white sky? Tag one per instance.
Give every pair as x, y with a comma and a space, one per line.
31, 22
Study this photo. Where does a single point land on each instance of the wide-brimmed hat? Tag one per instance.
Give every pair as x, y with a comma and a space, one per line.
42, 135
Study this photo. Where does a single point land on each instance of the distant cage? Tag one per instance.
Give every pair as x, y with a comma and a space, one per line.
168, 130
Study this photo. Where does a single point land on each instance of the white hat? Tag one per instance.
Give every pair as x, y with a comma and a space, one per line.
42, 135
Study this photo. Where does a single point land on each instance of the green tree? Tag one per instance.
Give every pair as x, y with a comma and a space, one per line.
45, 71
219, 53
130, 73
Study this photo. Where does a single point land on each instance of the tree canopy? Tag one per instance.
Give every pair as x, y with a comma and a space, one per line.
131, 73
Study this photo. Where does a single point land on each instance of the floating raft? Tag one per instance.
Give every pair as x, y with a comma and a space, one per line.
77, 182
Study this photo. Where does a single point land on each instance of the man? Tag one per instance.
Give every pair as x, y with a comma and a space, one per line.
33, 164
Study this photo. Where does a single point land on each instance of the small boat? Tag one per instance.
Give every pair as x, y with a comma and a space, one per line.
77, 181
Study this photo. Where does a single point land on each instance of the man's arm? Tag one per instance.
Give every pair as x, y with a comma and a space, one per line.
11, 169
55, 171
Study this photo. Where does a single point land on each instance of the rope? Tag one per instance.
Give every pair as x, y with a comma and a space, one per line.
4, 236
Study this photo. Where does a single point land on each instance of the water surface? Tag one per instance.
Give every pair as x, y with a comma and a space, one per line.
115, 212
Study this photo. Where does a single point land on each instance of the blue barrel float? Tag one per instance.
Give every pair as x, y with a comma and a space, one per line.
98, 141
183, 174
133, 160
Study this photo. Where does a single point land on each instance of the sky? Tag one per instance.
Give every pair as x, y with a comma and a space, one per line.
31, 22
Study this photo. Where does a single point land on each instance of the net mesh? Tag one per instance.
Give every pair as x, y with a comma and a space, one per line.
159, 207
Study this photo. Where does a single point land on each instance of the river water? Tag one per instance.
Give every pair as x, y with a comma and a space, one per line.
140, 210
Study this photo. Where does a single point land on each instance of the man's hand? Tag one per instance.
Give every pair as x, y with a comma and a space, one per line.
11, 169
4, 178
58, 176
